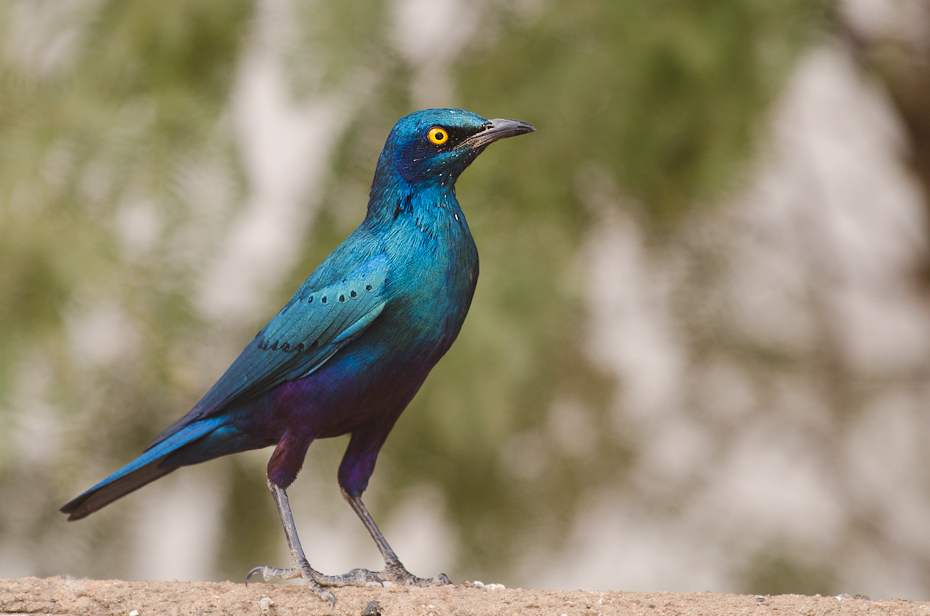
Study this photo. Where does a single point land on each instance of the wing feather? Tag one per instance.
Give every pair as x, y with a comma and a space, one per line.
313, 326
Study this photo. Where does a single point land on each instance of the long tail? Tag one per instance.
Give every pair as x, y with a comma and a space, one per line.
198, 442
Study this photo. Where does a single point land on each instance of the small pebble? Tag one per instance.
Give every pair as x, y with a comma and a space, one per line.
372, 609
134, 613
266, 604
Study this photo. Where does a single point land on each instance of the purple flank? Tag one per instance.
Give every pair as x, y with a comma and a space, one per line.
341, 398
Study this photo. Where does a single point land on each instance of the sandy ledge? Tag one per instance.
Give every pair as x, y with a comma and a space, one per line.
99, 597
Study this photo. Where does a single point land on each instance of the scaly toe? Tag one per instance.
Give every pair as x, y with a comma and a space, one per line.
356, 577
438, 580
441, 580
395, 572
308, 574
270, 574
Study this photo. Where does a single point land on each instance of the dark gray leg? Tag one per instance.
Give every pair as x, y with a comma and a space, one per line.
394, 571
301, 568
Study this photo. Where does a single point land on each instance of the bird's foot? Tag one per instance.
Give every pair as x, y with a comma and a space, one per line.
396, 573
316, 580
306, 572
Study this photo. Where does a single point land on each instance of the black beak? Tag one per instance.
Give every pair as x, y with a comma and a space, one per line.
497, 129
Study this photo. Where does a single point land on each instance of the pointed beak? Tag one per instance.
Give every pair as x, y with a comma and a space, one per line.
497, 129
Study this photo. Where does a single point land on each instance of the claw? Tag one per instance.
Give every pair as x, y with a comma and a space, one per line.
325, 595
253, 571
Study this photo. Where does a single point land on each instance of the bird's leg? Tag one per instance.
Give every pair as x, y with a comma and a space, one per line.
394, 570
301, 568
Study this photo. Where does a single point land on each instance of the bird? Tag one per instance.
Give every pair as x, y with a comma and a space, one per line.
351, 348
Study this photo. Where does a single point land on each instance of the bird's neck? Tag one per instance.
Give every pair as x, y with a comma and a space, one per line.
431, 208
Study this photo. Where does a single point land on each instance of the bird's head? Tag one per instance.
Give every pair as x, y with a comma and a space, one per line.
433, 146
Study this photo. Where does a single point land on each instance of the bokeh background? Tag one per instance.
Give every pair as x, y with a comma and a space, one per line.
699, 353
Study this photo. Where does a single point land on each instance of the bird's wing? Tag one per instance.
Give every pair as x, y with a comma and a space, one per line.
304, 334
310, 329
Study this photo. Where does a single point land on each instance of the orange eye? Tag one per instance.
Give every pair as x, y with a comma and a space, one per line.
438, 135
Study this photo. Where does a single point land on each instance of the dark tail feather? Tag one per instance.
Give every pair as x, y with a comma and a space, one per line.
98, 497
156, 462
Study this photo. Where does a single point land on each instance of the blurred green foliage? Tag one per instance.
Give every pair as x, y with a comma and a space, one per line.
666, 96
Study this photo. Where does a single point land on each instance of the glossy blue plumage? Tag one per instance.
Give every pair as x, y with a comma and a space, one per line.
351, 348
